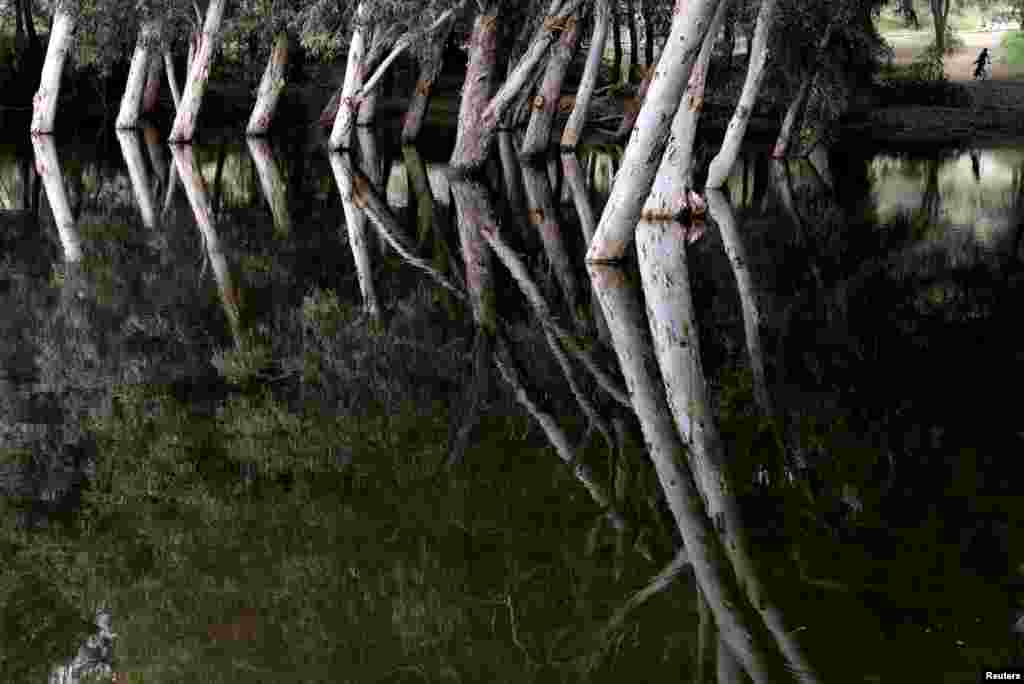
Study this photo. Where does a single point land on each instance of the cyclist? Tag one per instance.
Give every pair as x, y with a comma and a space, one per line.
981, 64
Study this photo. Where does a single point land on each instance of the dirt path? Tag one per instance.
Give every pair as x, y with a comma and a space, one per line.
1002, 91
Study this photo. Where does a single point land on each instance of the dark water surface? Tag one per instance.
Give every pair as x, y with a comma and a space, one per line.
205, 447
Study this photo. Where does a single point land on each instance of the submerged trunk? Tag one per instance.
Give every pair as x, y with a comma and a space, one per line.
738, 623
198, 75
543, 216
585, 93
545, 103
48, 168
272, 182
131, 150
44, 104
721, 165
270, 89
131, 101
475, 213
588, 223
355, 72
355, 221
640, 161
195, 189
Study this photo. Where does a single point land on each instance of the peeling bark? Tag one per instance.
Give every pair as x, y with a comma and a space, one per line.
721, 165
198, 75
271, 85
650, 135
44, 104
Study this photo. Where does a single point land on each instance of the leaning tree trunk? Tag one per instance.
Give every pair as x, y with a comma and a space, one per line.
478, 115
345, 119
44, 104
131, 101
642, 155
431, 63
48, 168
796, 108
198, 75
545, 104
585, 93
172, 79
270, 89
722, 164
737, 621
684, 127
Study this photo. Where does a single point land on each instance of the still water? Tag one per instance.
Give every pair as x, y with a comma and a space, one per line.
215, 468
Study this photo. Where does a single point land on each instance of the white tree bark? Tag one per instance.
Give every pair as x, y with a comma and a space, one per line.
355, 221
650, 134
588, 83
44, 104
131, 150
198, 75
684, 131
345, 119
48, 168
721, 165
271, 85
738, 623
172, 79
131, 101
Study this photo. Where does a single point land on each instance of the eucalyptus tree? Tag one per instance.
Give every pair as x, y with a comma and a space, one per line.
722, 163
44, 104
650, 134
199, 74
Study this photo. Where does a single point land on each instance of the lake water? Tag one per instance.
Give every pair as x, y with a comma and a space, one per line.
206, 445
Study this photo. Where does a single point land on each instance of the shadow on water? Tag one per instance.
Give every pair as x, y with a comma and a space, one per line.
209, 450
